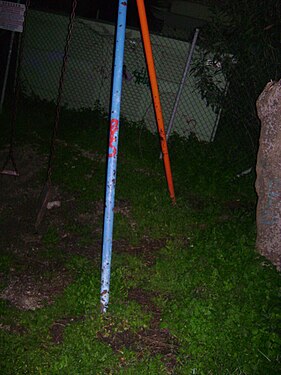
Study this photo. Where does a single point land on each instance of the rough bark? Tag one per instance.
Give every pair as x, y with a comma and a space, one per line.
268, 182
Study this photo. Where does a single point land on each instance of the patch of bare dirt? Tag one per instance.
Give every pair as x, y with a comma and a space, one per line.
58, 327
13, 328
155, 340
35, 282
147, 248
18, 195
32, 282
36, 286
145, 299
196, 202
238, 205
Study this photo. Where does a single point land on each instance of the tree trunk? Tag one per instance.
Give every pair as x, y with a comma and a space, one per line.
268, 182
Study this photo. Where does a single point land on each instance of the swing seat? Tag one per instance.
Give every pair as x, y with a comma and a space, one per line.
10, 172
10, 162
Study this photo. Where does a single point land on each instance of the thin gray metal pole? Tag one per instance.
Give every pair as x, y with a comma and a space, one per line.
186, 70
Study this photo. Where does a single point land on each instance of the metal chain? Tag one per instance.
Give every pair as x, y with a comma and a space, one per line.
60, 91
17, 84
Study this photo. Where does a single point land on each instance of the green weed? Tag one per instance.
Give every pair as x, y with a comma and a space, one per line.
215, 294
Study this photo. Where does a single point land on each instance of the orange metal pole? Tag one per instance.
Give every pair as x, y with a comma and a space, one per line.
156, 96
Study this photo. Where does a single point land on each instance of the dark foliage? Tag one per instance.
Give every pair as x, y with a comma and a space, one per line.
243, 43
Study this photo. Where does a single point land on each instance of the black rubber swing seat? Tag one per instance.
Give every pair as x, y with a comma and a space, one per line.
10, 172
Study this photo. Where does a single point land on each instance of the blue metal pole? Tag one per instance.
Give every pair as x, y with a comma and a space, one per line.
112, 155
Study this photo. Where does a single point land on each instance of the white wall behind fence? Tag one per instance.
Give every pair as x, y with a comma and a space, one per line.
89, 73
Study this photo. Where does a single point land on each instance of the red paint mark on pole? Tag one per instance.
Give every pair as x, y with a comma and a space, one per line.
112, 136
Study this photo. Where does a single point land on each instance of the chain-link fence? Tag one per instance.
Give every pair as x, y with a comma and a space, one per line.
89, 74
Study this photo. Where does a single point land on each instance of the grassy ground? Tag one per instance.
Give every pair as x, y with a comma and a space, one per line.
189, 294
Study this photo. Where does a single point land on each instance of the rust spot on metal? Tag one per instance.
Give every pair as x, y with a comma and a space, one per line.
102, 308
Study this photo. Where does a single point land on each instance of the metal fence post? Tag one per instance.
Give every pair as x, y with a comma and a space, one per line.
112, 154
186, 70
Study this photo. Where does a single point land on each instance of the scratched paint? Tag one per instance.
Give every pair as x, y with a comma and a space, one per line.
114, 128
112, 156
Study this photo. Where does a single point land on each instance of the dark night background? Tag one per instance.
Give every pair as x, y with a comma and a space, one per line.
104, 10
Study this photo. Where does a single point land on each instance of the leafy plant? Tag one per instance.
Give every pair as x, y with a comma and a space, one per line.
241, 44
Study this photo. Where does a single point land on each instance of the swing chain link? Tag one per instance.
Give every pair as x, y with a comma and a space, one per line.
60, 91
